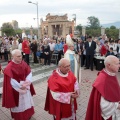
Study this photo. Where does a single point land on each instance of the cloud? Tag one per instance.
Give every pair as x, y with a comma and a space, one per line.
22, 11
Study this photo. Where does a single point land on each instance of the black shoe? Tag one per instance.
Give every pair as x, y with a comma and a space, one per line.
0, 95
91, 69
86, 68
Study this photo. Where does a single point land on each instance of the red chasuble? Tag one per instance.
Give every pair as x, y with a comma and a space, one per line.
18, 72
56, 83
106, 86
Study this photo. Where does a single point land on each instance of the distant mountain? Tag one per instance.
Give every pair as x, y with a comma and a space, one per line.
116, 24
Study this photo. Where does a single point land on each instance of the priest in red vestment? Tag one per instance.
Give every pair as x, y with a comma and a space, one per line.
17, 88
104, 102
63, 89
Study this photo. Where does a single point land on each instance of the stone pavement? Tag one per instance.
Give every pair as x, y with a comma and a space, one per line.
39, 99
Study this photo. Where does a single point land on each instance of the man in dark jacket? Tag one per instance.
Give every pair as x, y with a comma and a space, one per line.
90, 47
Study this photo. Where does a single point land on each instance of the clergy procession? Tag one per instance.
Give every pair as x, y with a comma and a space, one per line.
59, 78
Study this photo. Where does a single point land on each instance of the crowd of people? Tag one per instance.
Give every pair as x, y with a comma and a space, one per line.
100, 46
63, 85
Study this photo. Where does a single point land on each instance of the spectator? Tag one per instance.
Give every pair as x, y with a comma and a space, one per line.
52, 46
110, 52
90, 47
104, 49
46, 51
58, 49
34, 50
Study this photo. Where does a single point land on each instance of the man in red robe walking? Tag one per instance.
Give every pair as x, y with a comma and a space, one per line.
17, 88
104, 102
63, 89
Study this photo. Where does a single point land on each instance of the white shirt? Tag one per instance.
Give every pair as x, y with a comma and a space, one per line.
90, 44
20, 47
52, 46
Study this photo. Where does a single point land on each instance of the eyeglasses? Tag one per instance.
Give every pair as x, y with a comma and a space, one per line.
66, 66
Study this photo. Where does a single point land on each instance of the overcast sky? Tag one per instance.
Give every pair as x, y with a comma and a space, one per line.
107, 11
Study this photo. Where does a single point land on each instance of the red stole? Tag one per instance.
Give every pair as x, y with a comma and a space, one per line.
18, 72
57, 83
65, 48
106, 86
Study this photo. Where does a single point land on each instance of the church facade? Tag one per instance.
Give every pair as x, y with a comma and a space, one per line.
55, 25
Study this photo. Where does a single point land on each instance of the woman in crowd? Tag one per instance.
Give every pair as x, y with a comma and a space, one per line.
104, 49
98, 48
41, 52
14, 44
4, 50
8, 45
46, 51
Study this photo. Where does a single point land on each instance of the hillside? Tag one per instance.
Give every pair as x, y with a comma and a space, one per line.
116, 24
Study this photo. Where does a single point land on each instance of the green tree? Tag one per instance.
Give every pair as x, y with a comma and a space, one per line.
7, 29
79, 27
112, 33
112, 27
93, 32
18, 31
93, 22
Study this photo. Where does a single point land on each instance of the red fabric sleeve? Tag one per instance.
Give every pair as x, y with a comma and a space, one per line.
8, 100
94, 110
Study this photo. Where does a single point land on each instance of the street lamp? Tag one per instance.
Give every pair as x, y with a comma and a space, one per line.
37, 17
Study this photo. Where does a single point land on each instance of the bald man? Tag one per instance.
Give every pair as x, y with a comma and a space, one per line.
104, 102
62, 92
18, 88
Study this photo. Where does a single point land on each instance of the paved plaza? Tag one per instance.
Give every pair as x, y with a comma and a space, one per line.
40, 86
